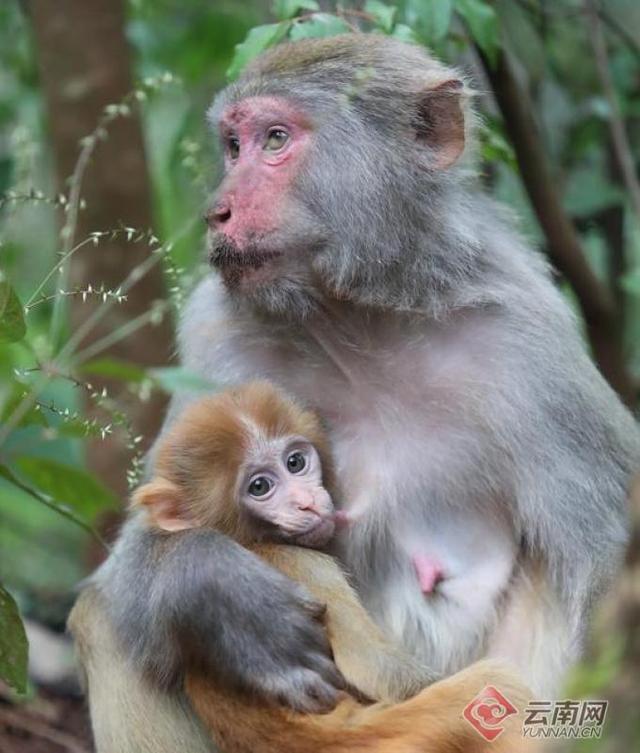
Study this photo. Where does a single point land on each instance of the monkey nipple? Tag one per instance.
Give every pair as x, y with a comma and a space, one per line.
429, 572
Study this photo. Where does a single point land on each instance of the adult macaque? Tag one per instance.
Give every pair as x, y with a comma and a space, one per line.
252, 464
362, 270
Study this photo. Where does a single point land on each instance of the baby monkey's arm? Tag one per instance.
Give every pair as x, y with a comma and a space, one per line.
369, 661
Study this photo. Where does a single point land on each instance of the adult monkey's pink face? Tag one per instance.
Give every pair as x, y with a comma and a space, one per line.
336, 171
264, 140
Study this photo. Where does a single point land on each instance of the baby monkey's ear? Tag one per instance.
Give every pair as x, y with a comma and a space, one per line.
165, 505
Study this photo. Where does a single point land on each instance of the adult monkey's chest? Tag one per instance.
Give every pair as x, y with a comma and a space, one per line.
399, 399
403, 401
407, 430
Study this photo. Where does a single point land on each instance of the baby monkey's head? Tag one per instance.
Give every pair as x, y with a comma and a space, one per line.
248, 462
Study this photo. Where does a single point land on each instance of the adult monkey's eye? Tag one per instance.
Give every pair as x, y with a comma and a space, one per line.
260, 486
296, 462
276, 139
233, 145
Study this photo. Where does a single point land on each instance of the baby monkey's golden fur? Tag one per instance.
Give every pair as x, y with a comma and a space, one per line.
201, 457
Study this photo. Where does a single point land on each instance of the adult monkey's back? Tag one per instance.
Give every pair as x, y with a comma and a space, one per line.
363, 271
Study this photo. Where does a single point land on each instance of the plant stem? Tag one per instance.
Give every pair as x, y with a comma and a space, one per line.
620, 140
6, 473
121, 333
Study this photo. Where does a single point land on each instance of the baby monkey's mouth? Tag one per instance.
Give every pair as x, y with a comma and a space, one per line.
317, 535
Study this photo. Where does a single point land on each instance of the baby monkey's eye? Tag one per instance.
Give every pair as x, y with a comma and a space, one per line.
296, 462
276, 139
260, 486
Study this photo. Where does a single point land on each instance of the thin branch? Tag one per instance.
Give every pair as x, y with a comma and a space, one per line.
620, 140
136, 274
41, 729
616, 28
546, 13
563, 243
21, 410
150, 316
6, 473
63, 260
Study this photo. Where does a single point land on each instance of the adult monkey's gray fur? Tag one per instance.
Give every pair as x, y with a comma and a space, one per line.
456, 388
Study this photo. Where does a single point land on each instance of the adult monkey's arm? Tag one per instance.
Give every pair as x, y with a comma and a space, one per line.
198, 599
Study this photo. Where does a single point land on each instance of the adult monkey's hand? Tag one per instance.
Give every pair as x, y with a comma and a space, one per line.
201, 602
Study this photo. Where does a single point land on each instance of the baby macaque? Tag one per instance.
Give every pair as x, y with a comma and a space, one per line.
252, 464
252, 469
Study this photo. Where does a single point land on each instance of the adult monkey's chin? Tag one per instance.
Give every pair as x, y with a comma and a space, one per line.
264, 277
285, 297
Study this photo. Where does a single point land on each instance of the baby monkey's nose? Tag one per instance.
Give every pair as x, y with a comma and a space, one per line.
305, 501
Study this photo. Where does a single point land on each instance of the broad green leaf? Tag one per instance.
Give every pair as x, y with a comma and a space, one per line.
68, 486
631, 282
179, 379
14, 647
44, 499
284, 9
494, 146
321, 25
482, 21
404, 33
383, 14
257, 40
589, 192
12, 324
114, 368
432, 18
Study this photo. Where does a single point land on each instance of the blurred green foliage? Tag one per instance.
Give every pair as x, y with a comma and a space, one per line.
42, 471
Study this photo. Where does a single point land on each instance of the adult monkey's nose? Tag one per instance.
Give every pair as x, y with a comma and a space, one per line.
218, 214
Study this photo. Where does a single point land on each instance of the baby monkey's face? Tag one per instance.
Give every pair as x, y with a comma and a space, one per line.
281, 494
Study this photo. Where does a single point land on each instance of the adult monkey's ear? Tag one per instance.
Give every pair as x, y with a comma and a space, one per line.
164, 504
439, 122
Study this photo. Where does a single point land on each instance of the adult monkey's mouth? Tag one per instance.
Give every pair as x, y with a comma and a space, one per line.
233, 261
224, 252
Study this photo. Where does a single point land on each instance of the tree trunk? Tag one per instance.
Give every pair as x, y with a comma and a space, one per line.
85, 64
602, 319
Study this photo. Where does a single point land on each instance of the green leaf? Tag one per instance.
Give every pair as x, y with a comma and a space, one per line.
179, 379
588, 192
631, 282
45, 500
14, 647
257, 40
432, 18
68, 486
482, 21
12, 324
284, 9
494, 145
114, 368
383, 15
321, 25
405, 33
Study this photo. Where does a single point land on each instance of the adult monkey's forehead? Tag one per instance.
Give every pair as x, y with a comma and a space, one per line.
385, 71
